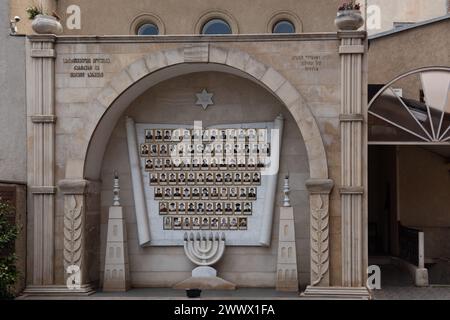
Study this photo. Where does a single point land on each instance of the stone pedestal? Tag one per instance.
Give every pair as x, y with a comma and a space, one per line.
117, 273
287, 276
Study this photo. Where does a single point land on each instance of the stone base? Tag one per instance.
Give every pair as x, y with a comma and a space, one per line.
205, 283
337, 293
420, 275
55, 290
116, 286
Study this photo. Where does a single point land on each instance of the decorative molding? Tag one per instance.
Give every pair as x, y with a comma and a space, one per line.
351, 34
42, 190
319, 186
351, 49
351, 118
338, 293
43, 118
351, 190
144, 18
56, 290
43, 53
216, 14
73, 187
324, 36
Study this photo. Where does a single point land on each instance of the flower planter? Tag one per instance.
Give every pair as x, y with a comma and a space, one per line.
349, 20
44, 24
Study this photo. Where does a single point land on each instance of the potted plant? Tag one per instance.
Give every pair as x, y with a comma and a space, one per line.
8, 235
349, 16
43, 23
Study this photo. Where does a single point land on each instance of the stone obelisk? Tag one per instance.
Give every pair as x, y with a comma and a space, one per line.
287, 276
117, 273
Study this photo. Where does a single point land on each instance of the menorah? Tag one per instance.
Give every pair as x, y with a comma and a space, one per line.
204, 250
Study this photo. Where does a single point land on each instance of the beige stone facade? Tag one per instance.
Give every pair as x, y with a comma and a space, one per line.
254, 78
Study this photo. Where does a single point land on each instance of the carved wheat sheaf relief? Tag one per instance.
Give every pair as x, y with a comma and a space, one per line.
319, 238
72, 231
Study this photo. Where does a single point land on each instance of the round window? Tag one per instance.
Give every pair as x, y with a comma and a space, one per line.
148, 29
283, 26
216, 26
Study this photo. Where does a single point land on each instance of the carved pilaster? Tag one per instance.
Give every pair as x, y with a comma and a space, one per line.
353, 123
74, 231
41, 141
319, 199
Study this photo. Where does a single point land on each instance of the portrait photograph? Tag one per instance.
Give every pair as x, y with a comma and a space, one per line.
162, 178
197, 135
191, 209
205, 193
223, 135
205, 164
149, 165
233, 223
168, 193
177, 164
196, 223
167, 135
231, 134
209, 208
163, 150
213, 134
145, 149
252, 193
172, 178
242, 223
182, 178
195, 194
241, 163
218, 208
172, 207
148, 135
242, 193
214, 223
223, 164
177, 223
214, 163
251, 135
237, 178
163, 210
158, 135
214, 193
158, 194
154, 150
223, 223
228, 179
186, 193
228, 209
158, 164
167, 223
153, 179
256, 178
186, 223
177, 193
191, 178
181, 208
209, 178
186, 135
237, 208
262, 135
200, 178
241, 135
233, 193
167, 164
247, 208
223, 193
195, 163
205, 223
247, 178
251, 163
218, 178
176, 135
200, 208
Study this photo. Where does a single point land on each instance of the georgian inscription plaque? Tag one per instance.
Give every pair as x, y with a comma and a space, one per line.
87, 66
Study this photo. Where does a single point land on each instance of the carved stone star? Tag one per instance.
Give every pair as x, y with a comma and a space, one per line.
204, 99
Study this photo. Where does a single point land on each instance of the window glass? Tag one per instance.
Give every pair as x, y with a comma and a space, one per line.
283, 26
148, 29
216, 26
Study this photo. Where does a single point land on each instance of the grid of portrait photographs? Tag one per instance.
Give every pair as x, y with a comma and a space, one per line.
205, 179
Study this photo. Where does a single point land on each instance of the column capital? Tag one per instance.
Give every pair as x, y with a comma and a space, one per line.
73, 186
319, 186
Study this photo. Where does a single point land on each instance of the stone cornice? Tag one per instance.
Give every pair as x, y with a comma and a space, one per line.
352, 34
73, 186
323, 36
319, 186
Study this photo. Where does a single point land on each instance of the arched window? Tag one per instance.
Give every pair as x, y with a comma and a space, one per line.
283, 26
216, 26
148, 29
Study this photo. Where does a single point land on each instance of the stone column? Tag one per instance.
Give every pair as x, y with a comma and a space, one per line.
353, 122
41, 140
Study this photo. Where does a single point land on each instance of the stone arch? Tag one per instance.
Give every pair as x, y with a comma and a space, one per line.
162, 65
